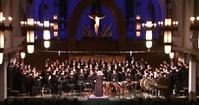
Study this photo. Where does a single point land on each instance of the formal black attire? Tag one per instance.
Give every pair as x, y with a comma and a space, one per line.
99, 86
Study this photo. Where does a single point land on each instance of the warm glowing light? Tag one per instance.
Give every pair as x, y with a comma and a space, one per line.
23, 55
46, 43
2, 18
167, 49
55, 33
177, 22
1, 39
161, 22
143, 25
138, 33
30, 21
46, 35
149, 24
138, 17
41, 24
148, 44
155, 24
30, 49
46, 23
55, 26
149, 35
192, 19
37, 23
138, 26
30, 37
167, 22
1, 58
171, 55
197, 18
55, 17
22, 23
167, 37
9, 19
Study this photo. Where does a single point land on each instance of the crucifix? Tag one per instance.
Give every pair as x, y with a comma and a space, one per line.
97, 22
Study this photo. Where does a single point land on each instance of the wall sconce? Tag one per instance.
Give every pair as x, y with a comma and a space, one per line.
195, 28
194, 20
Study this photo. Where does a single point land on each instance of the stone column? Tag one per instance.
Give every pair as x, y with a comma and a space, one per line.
192, 78
3, 79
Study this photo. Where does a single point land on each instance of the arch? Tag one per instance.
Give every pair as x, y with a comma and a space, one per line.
75, 19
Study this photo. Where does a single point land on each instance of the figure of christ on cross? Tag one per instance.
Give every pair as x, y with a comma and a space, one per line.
97, 22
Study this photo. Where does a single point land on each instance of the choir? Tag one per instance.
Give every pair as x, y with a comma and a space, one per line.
68, 76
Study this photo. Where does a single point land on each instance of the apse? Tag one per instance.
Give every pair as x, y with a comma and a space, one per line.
147, 9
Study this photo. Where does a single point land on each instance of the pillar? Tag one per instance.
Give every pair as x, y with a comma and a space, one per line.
192, 78
3, 79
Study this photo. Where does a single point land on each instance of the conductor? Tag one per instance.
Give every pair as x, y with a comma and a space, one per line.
98, 85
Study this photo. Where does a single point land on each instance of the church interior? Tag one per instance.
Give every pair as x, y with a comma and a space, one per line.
99, 52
